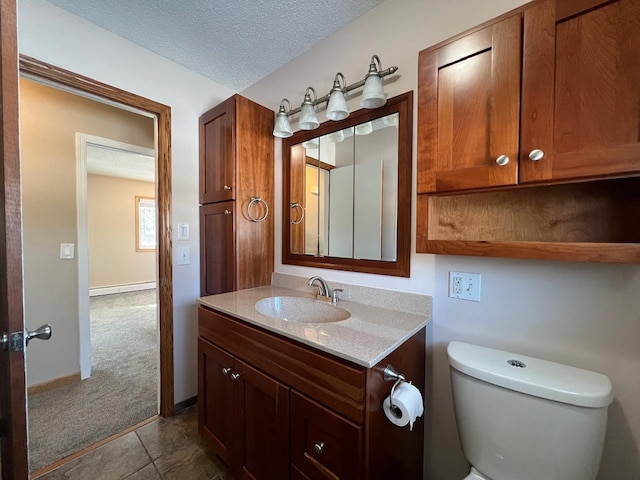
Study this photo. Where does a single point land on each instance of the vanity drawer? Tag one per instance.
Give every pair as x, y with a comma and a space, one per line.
324, 445
335, 383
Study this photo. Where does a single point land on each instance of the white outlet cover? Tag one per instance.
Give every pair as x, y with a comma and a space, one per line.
464, 286
184, 255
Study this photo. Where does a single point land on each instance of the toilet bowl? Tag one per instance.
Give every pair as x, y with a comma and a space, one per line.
522, 418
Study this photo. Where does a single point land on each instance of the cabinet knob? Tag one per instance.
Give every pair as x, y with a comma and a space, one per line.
226, 370
235, 376
227, 187
536, 154
227, 212
318, 447
502, 160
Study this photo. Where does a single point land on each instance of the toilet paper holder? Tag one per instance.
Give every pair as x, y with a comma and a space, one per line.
391, 375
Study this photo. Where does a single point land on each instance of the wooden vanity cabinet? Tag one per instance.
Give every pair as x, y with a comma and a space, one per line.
244, 414
512, 114
236, 165
294, 412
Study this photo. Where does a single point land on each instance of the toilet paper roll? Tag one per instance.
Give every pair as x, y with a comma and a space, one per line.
408, 405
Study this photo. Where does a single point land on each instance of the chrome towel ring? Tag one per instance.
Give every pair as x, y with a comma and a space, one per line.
294, 205
255, 200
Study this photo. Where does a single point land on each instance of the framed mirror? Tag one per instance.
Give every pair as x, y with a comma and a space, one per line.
347, 192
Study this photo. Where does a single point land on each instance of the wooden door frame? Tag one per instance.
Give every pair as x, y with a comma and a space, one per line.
42, 70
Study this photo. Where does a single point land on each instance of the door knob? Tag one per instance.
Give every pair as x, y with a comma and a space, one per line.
226, 370
318, 447
43, 333
16, 341
235, 376
227, 187
502, 160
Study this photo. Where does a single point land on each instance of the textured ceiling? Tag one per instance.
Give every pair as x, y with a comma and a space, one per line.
119, 163
233, 42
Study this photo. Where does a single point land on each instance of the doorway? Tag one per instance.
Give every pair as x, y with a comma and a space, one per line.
88, 88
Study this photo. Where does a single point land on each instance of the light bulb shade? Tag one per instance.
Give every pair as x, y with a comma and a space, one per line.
308, 117
373, 94
364, 128
336, 137
282, 128
337, 108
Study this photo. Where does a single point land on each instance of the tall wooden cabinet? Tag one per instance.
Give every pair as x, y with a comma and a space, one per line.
236, 196
528, 140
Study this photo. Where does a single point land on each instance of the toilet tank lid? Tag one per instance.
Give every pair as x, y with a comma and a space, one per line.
539, 378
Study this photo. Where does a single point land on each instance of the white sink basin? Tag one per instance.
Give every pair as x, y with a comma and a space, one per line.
300, 309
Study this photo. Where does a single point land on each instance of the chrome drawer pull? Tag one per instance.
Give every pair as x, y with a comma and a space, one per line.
226, 370
235, 376
318, 447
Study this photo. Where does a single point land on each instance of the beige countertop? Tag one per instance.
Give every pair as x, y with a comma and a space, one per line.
365, 338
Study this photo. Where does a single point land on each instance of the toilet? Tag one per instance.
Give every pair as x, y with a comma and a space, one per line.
522, 418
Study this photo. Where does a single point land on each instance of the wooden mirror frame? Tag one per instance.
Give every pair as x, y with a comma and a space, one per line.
401, 267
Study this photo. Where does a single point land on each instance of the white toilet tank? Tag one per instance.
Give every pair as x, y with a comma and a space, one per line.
522, 418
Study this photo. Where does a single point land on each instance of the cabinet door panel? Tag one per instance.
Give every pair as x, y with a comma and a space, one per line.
217, 158
215, 398
262, 418
323, 444
596, 90
217, 248
469, 103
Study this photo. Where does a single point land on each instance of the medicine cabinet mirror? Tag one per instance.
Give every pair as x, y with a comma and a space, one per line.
347, 192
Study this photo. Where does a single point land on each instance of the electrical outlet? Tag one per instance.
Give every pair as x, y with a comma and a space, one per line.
464, 286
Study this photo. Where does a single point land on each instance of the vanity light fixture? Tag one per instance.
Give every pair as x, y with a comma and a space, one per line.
308, 117
337, 108
372, 97
282, 128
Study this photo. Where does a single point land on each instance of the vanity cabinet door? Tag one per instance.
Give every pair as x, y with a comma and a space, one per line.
215, 398
262, 421
468, 110
324, 445
217, 248
580, 89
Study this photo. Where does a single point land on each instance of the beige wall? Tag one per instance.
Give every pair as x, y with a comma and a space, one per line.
580, 314
49, 120
113, 259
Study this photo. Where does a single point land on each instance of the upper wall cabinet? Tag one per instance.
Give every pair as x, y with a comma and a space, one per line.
529, 135
569, 112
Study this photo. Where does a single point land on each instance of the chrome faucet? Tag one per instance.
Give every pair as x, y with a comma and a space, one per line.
323, 289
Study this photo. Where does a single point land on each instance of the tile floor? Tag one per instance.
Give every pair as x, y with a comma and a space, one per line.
168, 448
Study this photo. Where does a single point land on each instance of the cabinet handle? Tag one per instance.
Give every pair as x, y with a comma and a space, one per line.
502, 160
318, 447
227, 187
227, 212
536, 154
235, 376
226, 370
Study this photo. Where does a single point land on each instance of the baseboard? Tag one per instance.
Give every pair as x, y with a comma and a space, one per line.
133, 287
183, 405
52, 384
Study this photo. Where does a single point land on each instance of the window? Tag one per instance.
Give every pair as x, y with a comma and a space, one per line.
145, 224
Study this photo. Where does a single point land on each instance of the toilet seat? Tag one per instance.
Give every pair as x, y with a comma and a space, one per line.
475, 475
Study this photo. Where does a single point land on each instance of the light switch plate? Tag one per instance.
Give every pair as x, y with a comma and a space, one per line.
184, 255
183, 231
464, 286
67, 251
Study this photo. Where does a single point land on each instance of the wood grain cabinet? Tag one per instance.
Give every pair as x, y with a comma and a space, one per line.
236, 167
274, 409
528, 140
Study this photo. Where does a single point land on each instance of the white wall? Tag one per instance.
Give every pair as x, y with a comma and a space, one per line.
581, 314
57, 37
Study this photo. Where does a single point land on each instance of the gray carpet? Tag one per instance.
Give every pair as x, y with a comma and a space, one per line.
121, 392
